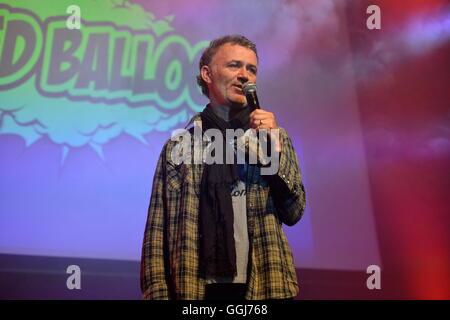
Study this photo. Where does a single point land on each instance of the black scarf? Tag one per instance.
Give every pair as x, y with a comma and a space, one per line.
217, 247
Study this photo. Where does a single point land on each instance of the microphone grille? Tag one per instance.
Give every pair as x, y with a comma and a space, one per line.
249, 87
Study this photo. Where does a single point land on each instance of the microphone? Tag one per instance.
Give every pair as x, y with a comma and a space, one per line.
249, 89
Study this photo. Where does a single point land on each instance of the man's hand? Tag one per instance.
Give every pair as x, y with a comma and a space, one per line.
262, 119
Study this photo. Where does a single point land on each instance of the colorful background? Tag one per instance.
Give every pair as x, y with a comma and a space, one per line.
367, 110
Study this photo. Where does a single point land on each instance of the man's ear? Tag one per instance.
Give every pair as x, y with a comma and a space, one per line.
205, 72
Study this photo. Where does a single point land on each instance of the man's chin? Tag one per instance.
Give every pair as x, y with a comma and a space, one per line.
239, 103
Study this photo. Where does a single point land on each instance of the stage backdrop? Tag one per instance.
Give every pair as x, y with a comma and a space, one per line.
84, 114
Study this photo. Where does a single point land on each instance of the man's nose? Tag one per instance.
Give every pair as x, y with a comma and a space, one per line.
243, 75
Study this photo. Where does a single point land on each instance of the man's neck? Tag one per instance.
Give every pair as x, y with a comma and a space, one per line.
226, 112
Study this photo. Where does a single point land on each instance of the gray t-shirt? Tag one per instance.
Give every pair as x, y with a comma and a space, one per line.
239, 198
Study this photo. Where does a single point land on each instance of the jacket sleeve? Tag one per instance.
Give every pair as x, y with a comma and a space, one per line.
286, 185
154, 284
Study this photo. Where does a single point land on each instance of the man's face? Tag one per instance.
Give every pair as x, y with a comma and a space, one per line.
231, 66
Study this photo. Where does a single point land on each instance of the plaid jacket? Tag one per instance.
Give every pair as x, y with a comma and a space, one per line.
170, 252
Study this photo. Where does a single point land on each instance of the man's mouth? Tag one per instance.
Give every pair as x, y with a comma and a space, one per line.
239, 88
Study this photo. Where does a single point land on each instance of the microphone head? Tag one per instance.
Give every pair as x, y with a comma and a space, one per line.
249, 87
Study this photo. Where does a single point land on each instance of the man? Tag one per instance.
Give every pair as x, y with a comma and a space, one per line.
214, 230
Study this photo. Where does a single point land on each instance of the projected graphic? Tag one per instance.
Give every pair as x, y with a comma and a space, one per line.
84, 113
117, 77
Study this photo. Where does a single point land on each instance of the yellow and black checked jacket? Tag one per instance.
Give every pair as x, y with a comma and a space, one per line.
170, 253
